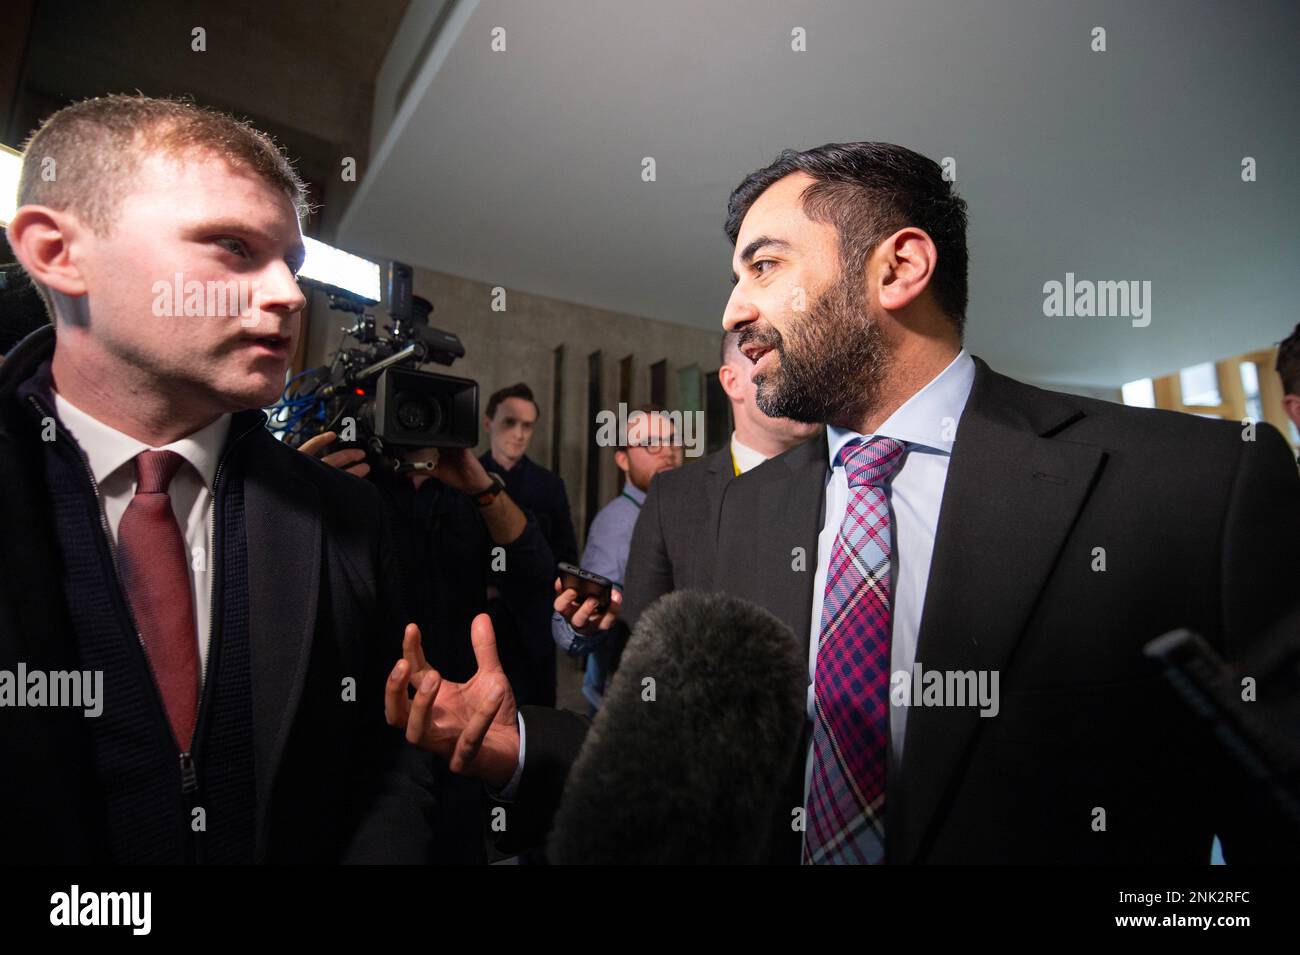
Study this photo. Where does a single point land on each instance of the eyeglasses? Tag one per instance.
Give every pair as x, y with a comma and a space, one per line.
655, 448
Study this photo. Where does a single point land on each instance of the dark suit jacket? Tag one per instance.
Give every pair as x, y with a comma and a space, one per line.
672, 548
333, 781
1200, 529
541, 492
672, 544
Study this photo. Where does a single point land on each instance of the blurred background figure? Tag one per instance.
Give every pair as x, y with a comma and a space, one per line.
528, 650
755, 436
673, 544
650, 447
509, 424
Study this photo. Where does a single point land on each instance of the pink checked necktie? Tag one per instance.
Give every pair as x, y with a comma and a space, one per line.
151, 557
846, 800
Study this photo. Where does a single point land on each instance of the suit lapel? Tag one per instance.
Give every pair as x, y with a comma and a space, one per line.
767, 538
719, 474
766, 514
284, 550
1011, 496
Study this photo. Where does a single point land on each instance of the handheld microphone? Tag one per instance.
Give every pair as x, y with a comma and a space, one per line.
688, 759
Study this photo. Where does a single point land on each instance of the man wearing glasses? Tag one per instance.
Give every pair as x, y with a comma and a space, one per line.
651, 446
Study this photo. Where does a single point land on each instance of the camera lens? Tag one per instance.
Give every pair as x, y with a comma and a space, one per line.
417, 414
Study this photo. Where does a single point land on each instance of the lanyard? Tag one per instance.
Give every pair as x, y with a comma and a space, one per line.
632, 499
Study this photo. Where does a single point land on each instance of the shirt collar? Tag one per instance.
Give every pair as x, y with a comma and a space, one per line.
746, 458
108, 449
634, 492
928, 418
519, 465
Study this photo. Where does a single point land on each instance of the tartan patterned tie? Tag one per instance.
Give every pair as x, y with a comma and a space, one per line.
846, 800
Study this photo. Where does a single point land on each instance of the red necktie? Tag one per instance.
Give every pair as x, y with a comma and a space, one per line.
151, 558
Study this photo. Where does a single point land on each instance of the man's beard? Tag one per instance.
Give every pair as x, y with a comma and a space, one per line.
833, 364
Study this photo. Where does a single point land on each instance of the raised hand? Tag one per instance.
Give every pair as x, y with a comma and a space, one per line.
472, 725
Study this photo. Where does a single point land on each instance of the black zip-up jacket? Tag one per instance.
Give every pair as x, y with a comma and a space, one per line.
332, 782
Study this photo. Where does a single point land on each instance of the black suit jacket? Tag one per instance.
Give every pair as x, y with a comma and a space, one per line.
333, 781
541, 492
1199, 528
672, 544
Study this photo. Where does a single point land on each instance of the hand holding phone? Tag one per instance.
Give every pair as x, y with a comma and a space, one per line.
588, 601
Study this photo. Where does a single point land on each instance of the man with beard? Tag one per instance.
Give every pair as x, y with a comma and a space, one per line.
960, 524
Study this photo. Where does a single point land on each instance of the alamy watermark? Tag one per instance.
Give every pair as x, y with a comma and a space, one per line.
213, 299
922, 687
687, 429
76, 907
1084, 298
78, 689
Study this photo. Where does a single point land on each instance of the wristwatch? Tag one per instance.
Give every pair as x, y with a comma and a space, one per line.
489, 494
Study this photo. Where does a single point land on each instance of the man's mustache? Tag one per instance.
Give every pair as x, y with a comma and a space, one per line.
762, 337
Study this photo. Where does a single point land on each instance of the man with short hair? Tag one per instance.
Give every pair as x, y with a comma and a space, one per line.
953, 521
672, 542
958, 519
672, 546
510, 421
649, 447
236, 596
523, 622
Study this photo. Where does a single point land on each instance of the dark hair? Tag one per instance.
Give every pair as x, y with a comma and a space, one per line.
519, 390
649, 408
869, 191
1288, 362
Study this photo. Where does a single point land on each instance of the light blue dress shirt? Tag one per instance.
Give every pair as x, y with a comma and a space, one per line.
609, 544
927, 424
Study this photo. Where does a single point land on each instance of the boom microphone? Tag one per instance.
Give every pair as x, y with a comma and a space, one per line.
688, 759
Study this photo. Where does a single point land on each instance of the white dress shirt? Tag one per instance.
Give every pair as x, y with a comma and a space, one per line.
745, 457
927, 424
111, 456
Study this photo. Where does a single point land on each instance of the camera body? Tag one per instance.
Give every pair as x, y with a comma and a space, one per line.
373, 393
420, 409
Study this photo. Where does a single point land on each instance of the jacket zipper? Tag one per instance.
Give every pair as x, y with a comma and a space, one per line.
188, 765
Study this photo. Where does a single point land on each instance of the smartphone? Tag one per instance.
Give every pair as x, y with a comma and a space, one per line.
587, 585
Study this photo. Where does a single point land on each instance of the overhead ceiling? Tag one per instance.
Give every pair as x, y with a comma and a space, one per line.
301, 71
523, 168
